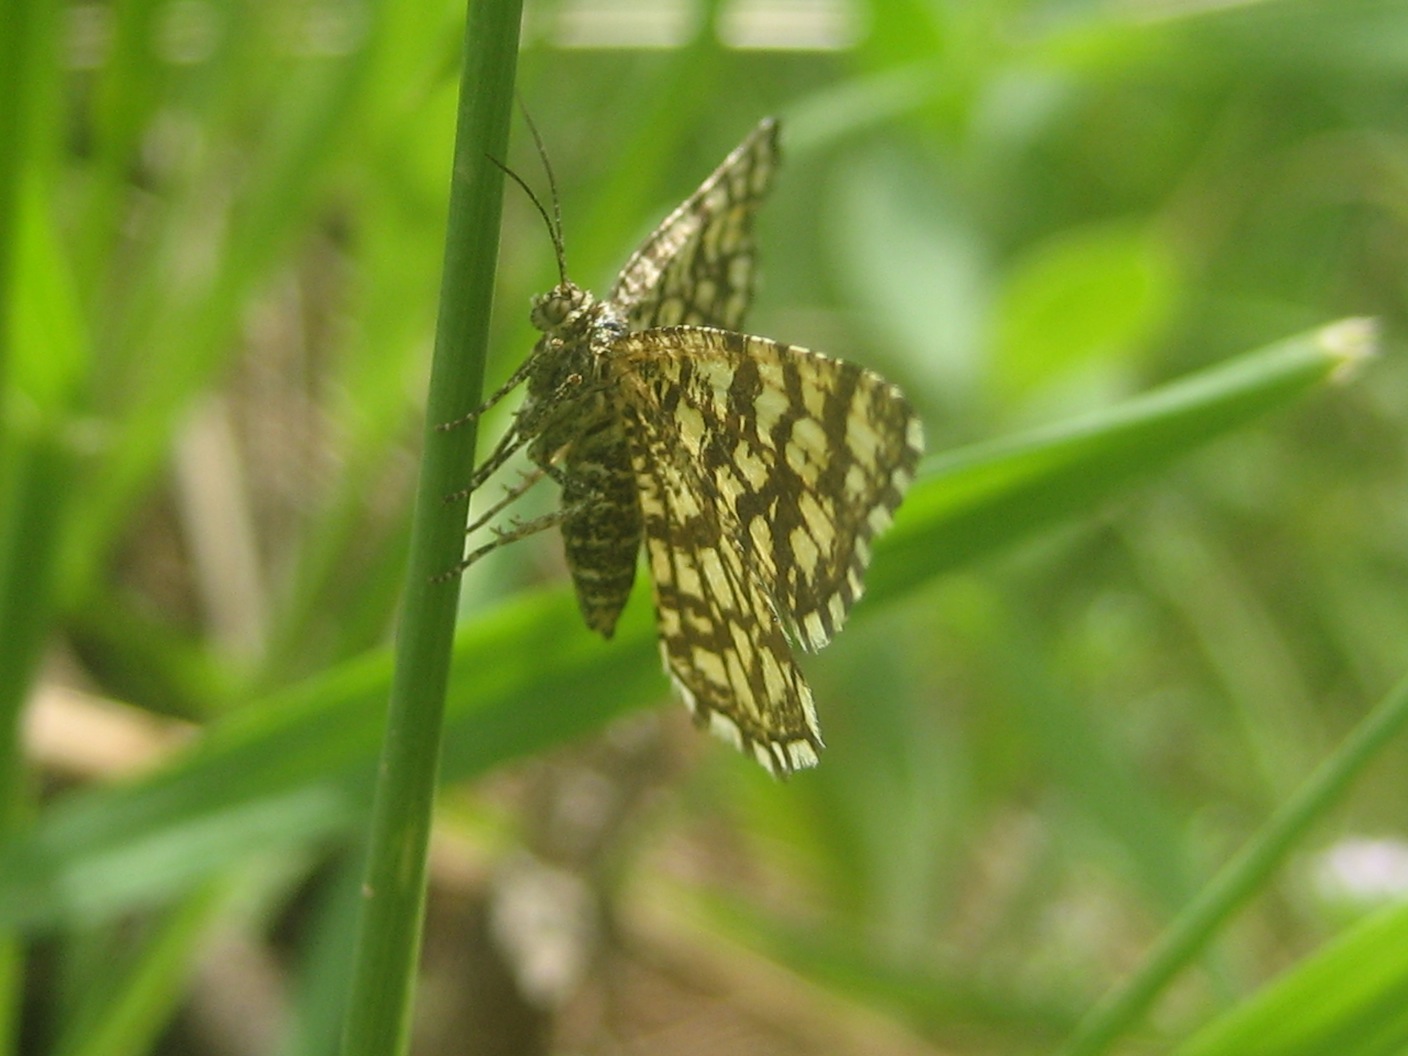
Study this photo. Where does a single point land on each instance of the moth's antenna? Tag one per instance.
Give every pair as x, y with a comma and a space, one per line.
552, 189
553, 232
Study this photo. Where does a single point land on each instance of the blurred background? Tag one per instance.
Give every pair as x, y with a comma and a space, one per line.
222, 239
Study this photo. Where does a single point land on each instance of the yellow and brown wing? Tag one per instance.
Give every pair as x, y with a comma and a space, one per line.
697, 267
764, 472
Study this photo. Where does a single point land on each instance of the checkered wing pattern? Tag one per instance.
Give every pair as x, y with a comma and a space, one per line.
764, 470
697, 266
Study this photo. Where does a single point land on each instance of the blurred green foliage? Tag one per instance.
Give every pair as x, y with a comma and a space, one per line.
1116, 627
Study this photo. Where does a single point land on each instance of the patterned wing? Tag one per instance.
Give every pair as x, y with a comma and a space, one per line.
697, 267
720, 638
798, 459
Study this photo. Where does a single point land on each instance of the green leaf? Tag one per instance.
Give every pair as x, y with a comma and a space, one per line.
977, 498
1351, 999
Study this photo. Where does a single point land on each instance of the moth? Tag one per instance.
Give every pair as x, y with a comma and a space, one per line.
755, 474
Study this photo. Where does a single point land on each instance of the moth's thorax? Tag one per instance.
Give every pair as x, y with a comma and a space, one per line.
569, 400
578, 331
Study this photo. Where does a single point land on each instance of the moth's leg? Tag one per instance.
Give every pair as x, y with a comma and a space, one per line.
505, 449
520, 530
528, 424
526, 481
515, 379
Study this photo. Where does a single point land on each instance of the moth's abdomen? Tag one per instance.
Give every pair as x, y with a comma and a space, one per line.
601, 530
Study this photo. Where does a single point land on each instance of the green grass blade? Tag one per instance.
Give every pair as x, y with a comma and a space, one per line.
40, 350
1241, 878
127, 1008
975, 499
527, 676
388, 947
1351, 998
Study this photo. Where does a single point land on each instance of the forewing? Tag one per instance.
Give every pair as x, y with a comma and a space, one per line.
799, 459
720, 639
697, 267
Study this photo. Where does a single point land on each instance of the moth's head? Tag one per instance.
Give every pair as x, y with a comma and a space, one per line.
556, 311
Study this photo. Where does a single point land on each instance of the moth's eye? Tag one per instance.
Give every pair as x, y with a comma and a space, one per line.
552, 309
548, 313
